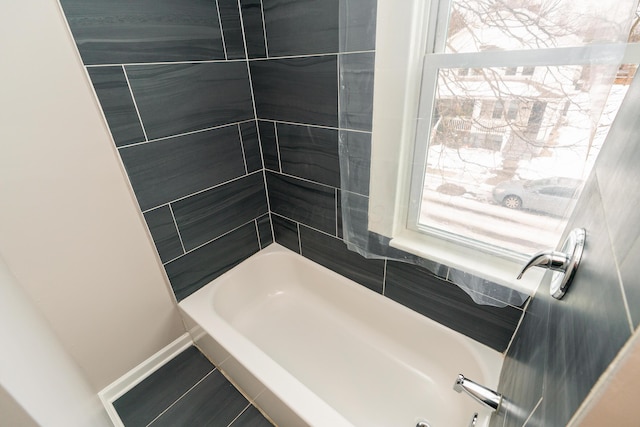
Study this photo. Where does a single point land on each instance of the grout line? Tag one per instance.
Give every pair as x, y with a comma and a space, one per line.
213, 61
305, 225
244, 157
240, 414
336, 207
138, 64
515, 331
299, 238
264, 30
532, 412
316, 126
305, 179
224, 45
201, 191
210, 241
135, 104
183, 395
177, 135
311, 55
275, 131
184, 251
255, 221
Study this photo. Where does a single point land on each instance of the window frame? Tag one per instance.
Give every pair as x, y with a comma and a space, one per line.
400, 70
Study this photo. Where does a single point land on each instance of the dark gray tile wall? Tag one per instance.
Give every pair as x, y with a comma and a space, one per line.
563, 347
295, 80
187, 391
174, 85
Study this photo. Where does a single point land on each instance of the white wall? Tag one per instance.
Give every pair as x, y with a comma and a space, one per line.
39, 382
70, 229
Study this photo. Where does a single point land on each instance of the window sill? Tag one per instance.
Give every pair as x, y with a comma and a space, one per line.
473, 261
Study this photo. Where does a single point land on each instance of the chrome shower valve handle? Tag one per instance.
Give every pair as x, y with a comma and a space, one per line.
564, 262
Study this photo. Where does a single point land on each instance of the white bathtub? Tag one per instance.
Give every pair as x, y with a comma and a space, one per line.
310, 347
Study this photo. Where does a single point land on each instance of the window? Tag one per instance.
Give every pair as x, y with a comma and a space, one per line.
529, 85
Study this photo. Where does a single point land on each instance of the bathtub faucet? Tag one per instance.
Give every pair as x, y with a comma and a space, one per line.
478, 392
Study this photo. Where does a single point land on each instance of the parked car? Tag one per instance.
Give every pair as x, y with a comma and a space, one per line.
550, 195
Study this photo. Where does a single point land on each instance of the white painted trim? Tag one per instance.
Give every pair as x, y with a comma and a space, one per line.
132, 378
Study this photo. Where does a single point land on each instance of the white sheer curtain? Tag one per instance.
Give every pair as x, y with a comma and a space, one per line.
583, 86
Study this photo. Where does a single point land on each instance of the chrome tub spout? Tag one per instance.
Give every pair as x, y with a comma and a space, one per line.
480, 393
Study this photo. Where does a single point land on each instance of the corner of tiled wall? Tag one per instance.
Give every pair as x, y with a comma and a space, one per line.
173, 82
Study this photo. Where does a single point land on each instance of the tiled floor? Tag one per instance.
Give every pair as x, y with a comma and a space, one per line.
187, 391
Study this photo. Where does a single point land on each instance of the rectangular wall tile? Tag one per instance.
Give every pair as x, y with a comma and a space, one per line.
209, 214
356, 161
522, 374
449, 305
356, 99
251, 146
179, 98
303, 201
332, 253
310, 153
360, 16
117, 32
253, 28
269, 143
264, 231
286, 233
113, 92
147, 400
592, 315
301, 27
231, 28
164, 233
163, 171
192, 271
213, 402
299, 90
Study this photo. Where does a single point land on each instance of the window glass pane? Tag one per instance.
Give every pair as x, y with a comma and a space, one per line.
506, 158
481, 25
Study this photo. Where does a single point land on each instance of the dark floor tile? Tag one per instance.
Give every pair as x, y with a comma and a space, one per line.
264, 231
310, 153
157, 392
303, 201
113, 93
298, 90
449, 305
251, 146
253, 28
195, 269
166, 170
301, 27
121, 31
231, 28
209, 214
251, 418
164, 233
286, 233
178, 98
332, 253
214, 402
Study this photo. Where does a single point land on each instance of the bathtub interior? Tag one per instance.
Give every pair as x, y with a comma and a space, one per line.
318, 341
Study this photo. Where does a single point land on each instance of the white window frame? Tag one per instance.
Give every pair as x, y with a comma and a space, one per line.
401, 40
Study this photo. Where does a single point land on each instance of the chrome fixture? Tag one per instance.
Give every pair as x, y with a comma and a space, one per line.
474, 420
564, 262
423, 424
479, 392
